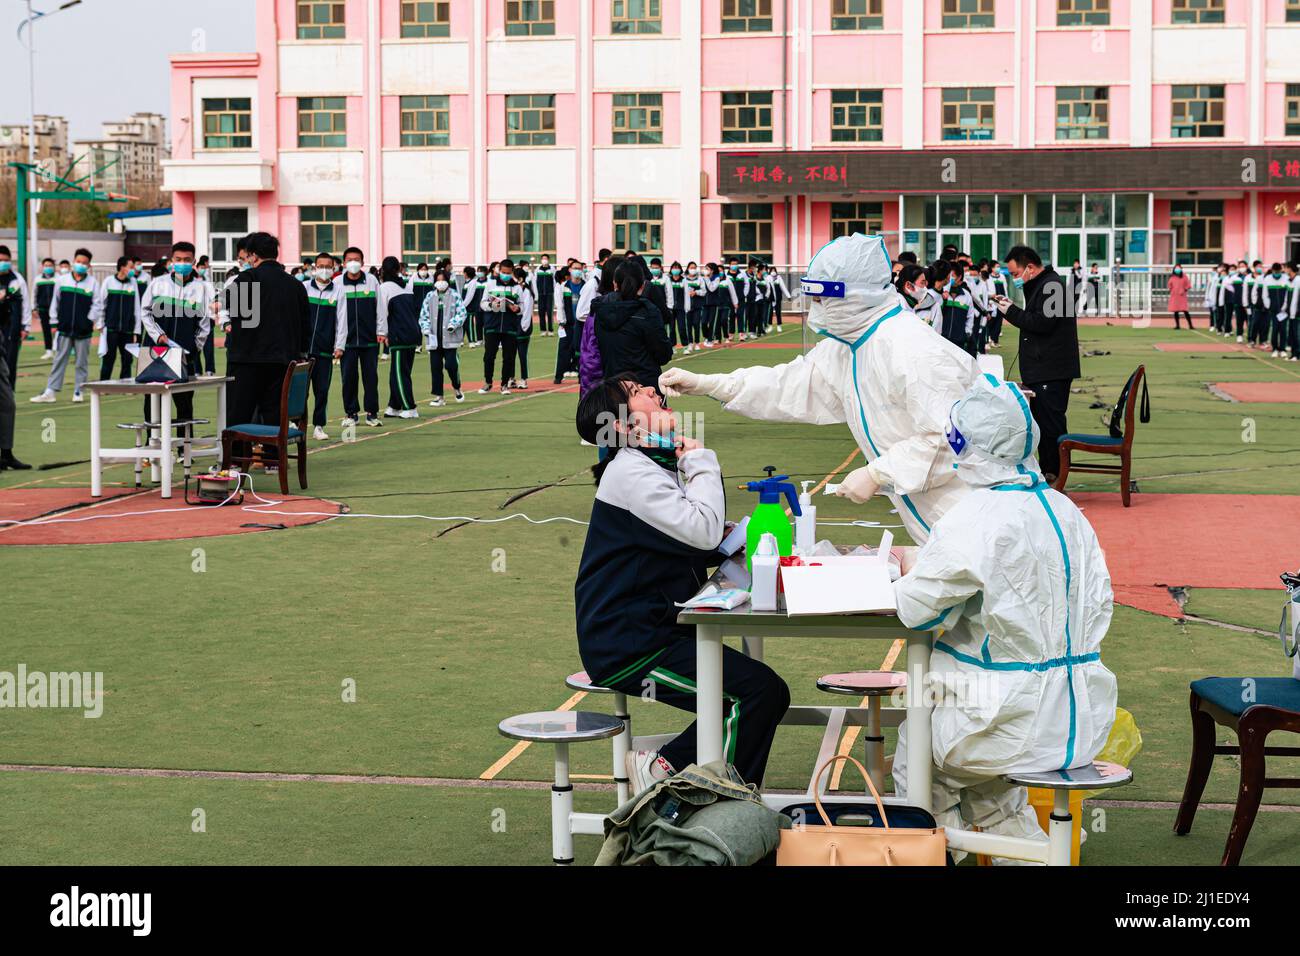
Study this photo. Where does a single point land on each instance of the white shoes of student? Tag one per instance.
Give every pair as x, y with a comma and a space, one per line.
779, 329
47, 355
460, 396
1275, 354
437, 402
76, 397
504, 390
46, 397
409, 413
373, 422
645, 768
349, 422
390, 412
318, 434
522, 384
1240, 339
485, 390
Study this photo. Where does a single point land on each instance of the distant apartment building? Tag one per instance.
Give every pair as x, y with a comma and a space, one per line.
1137, 131
128, 157
51, 144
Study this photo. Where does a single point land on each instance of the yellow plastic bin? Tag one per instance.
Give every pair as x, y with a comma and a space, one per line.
1041, 801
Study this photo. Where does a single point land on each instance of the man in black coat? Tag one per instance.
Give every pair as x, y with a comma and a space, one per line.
266, 310
1049, 348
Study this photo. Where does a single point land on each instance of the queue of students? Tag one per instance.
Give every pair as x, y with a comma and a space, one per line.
1258, 305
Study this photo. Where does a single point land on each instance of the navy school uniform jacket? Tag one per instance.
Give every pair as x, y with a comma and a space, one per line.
420, 288
544, 286
71, 305
654, 533
120, 301
45, 294
362, 309
403, 314
320, 333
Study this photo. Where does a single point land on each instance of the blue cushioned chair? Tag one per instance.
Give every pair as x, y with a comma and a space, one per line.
1252, 707
292, 429
1110, 444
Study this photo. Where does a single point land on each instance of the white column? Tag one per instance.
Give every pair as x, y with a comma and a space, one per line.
1016, 102
692, 78
1255, 80
708, 693
913, 75
375, 114
585, 106
478, 101
1139, 88
1031, 86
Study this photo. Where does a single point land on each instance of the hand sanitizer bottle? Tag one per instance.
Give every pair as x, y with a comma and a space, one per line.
805, 523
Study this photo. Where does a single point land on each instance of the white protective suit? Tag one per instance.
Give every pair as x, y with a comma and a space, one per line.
1015, 586
891, 378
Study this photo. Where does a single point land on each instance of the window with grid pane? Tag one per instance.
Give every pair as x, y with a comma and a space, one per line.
426, 120
1082, 13
424, 19
639, 228
746, 16
1197, 111
638, 118
747, 117
228, 123
530, 230
322, 122
968, 113
530, 18
1293, 11
857, 15
1196, 11
1198, 230
320, 21
426, 232
322, 229
1083, 112
1293, 109
857, 116
747, 230
847, 218
635, 16
530, 119
967, 14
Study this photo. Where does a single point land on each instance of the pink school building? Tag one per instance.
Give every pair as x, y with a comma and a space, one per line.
1139, 131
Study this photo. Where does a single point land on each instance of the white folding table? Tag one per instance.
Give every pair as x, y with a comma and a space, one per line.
162, 443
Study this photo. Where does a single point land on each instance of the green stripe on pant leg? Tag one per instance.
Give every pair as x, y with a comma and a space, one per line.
730, 731
401, 391
627, 671
675, 681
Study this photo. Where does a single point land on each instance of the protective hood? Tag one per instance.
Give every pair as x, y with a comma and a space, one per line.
862, 264
994, 436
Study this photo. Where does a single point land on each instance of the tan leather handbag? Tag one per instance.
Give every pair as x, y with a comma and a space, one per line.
829, 845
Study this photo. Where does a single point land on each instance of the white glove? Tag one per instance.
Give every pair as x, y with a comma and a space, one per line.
678, 381
858, 486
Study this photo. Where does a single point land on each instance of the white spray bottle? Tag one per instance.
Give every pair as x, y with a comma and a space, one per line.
805, 525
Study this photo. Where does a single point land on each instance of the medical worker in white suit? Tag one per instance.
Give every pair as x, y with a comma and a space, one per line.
1014, 585
891, 378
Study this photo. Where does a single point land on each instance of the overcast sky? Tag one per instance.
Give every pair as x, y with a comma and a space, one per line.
105, 59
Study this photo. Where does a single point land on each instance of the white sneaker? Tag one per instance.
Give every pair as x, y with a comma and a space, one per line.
46, 397
485, 390
409, 413
318, 434
437, 403
374, 422
390, 412
76, 397
1240, 339
349, 422
1275, 354
460, 396
47, 355
522, 384
505, 391
645, 768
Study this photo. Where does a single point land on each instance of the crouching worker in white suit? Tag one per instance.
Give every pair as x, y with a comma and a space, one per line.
1015, 587
891, 378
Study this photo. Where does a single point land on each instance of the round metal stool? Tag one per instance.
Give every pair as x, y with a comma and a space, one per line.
1098, 775
561, 728
873, 685
623, 742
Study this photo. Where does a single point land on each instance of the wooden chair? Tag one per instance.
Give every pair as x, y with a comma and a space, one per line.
1109, 444
292, 429
1253, 708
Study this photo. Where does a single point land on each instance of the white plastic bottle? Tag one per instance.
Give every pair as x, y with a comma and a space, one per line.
765, 566
805, 525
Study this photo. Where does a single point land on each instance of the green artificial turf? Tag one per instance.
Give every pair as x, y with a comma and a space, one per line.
242, 666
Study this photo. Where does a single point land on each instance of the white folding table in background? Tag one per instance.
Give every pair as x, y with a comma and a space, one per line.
162, 443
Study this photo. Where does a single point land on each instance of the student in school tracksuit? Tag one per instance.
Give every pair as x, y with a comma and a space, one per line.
421, 284
365, 317
442, 320
15, 312
679, 327
655, 527
568, 329
697, 312
659, 292
177, 308
753, 303
44, 296
1212, 298
505, 304
723, 303
526, 325
997, 286
118, 315
325, 337
404, 338
70, 309
1273, 302
1293, 312
542, 284
472, 300
956, 311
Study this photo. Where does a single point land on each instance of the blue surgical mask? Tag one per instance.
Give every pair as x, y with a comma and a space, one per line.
5, 265
81, 268
182, 269
655, 440
1019, 283
48, 271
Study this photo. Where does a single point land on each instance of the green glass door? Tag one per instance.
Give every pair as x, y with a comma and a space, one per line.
981, 245
1068, 247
